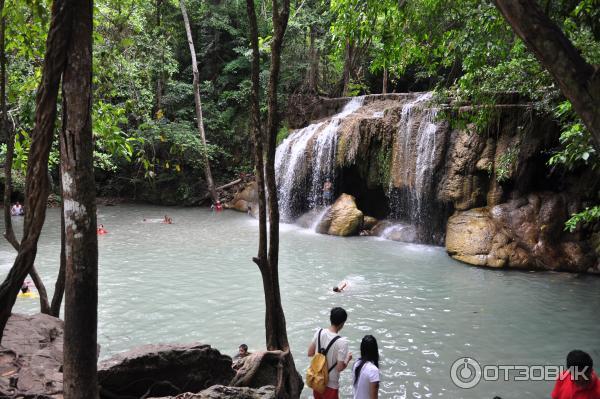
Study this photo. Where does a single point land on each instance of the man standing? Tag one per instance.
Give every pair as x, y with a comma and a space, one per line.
338, 356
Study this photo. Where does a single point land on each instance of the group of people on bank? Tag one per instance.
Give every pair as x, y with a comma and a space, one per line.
579, 381
328, 343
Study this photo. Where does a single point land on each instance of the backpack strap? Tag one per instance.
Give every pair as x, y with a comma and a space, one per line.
329, 347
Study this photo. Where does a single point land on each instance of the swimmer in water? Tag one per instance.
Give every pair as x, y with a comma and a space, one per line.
101, 230
167, 220
341, 286
25, 288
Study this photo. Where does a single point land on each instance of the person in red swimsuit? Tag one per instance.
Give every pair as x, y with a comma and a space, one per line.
101, 230
579, 381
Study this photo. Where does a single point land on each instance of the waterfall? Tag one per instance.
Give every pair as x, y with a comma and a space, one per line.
305, 159
414, 164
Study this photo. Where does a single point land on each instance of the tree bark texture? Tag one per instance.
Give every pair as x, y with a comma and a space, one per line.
289, 385
578, 80
198, 101
59, 286
36, 185
79, 199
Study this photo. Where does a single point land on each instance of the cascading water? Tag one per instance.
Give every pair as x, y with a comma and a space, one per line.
414, 164
305, 159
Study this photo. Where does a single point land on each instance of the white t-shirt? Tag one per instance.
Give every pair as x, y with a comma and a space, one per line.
368, 374
337, 353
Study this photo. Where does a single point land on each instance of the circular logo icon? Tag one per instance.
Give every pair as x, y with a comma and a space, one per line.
465, 372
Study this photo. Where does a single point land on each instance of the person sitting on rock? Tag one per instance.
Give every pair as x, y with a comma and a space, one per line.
579, 381
242, 352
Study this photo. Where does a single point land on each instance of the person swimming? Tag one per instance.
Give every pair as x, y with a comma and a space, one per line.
341, 286
167, 220
101, 230
25, 288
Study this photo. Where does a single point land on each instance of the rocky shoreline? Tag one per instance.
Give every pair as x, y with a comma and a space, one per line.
31, 367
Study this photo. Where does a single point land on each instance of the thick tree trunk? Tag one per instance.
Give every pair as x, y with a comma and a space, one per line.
578, 80
347, 69
36, 184
79, 198
198, 101
289, 384
313, 69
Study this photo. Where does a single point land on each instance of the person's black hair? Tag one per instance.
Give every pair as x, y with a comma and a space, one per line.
579, 360
244, 347
336, 289
338, 316
369, 352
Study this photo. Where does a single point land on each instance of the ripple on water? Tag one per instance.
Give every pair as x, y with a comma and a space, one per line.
195, 281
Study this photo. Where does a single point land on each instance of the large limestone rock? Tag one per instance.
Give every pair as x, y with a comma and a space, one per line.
343, 219
522, 233
162, 370
246, 200
31, 357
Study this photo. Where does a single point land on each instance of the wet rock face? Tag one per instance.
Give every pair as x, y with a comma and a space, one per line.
31, 357
162, 370
246, 200
522, 233
343, 219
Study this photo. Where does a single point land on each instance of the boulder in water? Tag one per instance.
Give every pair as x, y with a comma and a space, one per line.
369, 222
164, 369
342, 219
526, 232
245, 200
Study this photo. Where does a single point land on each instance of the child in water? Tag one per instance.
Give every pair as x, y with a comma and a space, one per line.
101, 230
341, 286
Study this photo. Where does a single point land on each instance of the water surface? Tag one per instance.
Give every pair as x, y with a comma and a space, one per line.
194, 280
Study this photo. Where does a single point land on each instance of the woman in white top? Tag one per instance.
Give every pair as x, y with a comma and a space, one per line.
366, 370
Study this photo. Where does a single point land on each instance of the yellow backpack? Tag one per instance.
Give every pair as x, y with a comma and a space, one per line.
317, 375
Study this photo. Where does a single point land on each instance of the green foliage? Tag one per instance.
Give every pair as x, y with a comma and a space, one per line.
588, 215
282, 134
577, 148
505, 164
384, 165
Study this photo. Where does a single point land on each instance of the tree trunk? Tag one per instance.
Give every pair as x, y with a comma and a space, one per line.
9, 232
313, 69
578, 80
159, 78
79, 199
200, 123
385, 81
290, 383
36, 184
59, 286
347, 69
